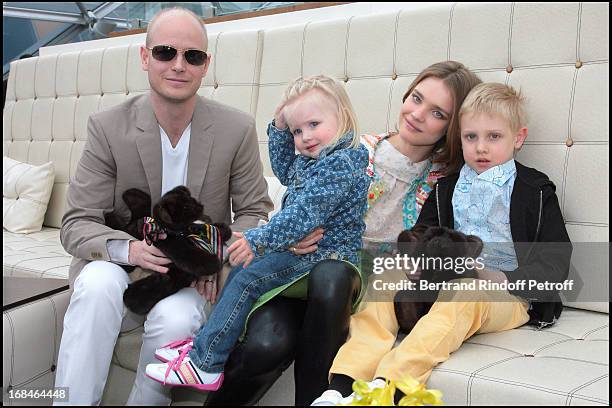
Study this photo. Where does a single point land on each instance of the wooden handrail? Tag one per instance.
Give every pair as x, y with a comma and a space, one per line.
247, 14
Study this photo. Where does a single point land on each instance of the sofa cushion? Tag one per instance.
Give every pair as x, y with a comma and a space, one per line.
26, 190
30, 343
39, 254
520, 365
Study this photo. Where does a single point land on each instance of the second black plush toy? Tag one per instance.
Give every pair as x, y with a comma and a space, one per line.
196, 249
431, 242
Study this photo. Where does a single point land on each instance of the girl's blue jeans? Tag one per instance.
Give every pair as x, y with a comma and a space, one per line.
217, 338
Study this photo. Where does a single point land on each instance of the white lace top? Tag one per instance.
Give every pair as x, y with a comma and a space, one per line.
397, 173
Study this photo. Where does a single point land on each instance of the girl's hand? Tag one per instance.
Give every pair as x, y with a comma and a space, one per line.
279, 117
309, 243
240, 251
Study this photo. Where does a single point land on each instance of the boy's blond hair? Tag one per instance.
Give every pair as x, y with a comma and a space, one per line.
347, 120
493, 97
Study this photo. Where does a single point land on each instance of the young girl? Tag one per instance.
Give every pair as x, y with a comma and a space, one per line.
495, 198
326, 186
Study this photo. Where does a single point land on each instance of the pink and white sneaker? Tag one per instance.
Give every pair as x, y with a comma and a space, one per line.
181, 372
173, 350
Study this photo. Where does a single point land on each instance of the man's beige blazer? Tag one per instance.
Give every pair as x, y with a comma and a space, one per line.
123, 151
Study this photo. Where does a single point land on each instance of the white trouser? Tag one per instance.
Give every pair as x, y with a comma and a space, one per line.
92, 325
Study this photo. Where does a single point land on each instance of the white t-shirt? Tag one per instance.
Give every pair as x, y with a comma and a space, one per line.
174, 160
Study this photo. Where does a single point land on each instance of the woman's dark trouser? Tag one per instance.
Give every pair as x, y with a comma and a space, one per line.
284, 329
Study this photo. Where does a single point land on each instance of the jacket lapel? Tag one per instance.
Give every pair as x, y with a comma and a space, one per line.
200, 147
148, 143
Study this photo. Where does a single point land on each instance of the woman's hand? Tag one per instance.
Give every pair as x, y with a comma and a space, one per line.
309, 243
240, 251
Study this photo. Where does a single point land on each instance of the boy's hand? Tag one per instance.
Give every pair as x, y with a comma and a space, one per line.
240, 251
493, 276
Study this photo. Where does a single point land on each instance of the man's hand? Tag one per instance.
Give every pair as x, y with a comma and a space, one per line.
240, 251
147, 257
309, 243
207, 287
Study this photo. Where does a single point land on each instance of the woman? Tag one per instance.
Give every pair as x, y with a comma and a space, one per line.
404, 167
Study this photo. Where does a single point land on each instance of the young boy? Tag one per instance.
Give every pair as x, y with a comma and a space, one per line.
511, 207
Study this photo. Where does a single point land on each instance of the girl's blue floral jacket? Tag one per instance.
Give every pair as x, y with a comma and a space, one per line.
330, 191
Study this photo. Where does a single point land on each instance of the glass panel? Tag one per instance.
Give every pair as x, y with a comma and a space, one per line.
63, 7
19, 34
144, 11
229, 7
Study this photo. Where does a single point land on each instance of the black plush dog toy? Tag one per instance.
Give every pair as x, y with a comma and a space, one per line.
431, 243
195, 249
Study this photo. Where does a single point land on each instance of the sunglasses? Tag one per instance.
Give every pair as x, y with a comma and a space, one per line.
167, 53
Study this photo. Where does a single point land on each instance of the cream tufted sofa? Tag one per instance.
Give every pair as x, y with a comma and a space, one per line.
557, 54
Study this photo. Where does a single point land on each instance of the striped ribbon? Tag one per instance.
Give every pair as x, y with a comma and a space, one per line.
208, 238
151, 230
204, 236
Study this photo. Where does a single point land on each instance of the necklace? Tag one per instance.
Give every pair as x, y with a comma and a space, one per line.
410, 214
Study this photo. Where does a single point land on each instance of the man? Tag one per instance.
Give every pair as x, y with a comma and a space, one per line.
153, 142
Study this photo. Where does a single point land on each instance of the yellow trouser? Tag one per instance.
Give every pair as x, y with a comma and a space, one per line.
368, 353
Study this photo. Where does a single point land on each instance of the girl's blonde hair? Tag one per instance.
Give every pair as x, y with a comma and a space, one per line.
497, 98
347, 120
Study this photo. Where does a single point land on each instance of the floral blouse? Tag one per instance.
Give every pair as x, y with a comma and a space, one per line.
397, 192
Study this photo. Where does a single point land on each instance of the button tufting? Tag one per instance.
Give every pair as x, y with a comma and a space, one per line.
509, 68
569, 142
394, 77
579, 64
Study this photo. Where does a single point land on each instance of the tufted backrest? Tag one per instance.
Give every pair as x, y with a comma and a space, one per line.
556, 53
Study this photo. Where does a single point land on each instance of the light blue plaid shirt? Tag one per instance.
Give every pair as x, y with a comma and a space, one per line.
481, 207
